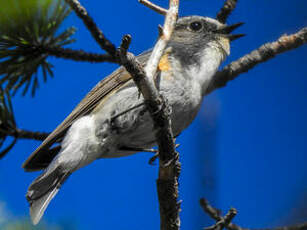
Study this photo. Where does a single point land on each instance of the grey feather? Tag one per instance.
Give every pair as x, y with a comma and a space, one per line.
39, 206
43, 190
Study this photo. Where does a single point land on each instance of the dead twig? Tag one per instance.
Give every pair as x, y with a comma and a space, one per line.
216, 215
97, 34
76, 55
225, 222
226, 10
25, 134
262, 54
154, 7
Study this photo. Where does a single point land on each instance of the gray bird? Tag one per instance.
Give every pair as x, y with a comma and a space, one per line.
112, 121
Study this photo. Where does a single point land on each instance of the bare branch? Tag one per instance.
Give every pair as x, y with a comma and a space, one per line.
97, 34
26, 134
225, 222
154, 7
226, 10
169, 166
76, 55
262, 54
19, 134
211, 211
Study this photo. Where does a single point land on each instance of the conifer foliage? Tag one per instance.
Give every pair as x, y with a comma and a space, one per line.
27, 27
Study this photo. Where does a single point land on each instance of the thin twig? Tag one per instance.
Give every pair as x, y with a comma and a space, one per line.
216, 215
226, 10
211, 211
25, 134
97, 34
20, 134
76, 55
154, 7
262, 54
225, 222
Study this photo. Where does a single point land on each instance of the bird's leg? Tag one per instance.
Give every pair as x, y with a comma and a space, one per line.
136, 149
155, 157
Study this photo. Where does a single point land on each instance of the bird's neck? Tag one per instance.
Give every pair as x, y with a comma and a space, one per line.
200, 61
204, 71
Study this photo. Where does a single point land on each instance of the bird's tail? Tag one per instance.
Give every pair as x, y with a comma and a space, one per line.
42, 190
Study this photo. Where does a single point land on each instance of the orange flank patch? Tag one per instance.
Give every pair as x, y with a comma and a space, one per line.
164, 64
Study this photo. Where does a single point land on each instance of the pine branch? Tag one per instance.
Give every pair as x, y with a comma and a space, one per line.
25, 25
97, 34
19, 134
260, 55
226, 10
27, 134
7, 121
76, 55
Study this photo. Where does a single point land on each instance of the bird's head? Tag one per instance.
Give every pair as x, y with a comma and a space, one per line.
194, 34
198, 46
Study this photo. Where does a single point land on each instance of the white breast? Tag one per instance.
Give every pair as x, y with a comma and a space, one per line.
211, 58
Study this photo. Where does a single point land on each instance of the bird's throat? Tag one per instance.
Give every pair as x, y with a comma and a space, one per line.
210, 59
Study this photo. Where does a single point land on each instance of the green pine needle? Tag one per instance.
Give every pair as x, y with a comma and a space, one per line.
7, 121
26, 25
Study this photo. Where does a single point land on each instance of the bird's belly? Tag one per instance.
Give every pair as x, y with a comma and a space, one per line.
134, 128
184, 104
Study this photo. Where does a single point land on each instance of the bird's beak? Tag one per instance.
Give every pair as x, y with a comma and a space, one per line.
228, 29
233, 37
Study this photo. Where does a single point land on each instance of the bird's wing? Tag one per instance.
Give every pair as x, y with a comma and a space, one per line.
41, 157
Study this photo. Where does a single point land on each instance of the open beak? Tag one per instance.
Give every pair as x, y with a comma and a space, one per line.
228, 29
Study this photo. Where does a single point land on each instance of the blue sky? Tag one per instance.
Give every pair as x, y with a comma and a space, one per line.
247, 148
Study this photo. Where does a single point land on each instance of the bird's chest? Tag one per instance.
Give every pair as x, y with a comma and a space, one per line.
184, 98
132, 124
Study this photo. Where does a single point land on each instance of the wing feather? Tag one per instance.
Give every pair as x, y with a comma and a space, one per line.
37, 160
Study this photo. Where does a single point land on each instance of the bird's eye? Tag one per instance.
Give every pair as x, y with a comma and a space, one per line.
196, 26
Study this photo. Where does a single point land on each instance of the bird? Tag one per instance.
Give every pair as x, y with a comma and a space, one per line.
112, 120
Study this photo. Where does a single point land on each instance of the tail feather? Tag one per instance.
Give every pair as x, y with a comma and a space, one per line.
38, 207
43, 190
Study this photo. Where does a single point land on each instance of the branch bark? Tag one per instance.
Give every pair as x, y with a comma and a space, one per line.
226, 10
26, 134
262, 54
76, 55
97, 34
169, 165
154, 7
